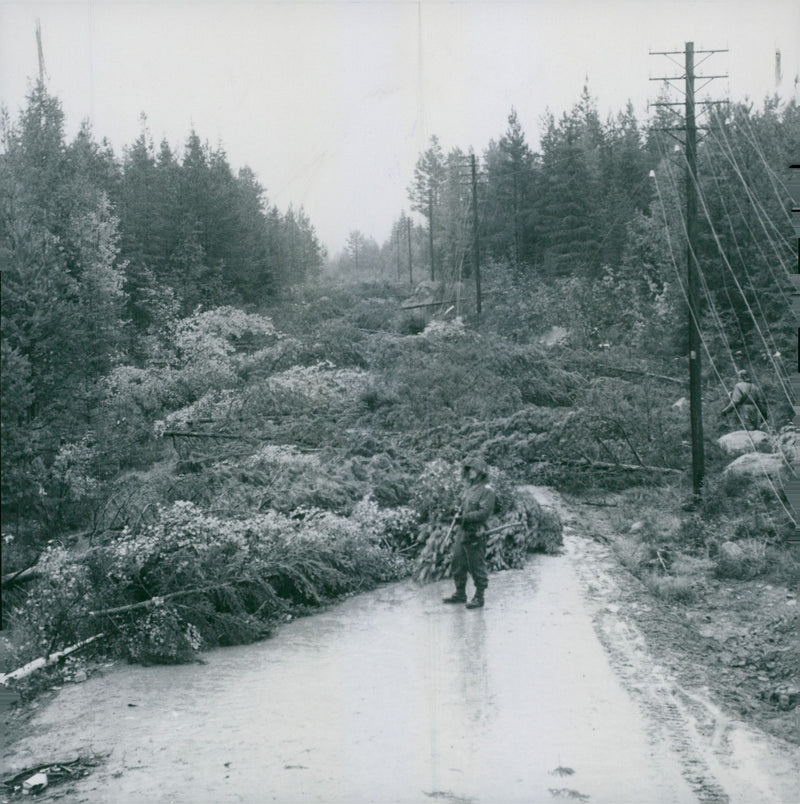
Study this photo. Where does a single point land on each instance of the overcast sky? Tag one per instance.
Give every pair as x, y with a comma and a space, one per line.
331, 102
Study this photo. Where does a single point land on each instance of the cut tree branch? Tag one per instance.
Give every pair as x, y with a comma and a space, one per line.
507, 526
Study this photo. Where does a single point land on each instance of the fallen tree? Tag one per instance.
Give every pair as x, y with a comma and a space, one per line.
155, 601
606, 466
191, 580
46, 661
20, 576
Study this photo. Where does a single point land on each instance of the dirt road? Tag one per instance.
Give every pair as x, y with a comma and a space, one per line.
547, 693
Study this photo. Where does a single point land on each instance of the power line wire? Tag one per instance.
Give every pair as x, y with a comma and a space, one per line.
712, 306
743, 264
730, 156
759, 212
750, 311
752, 315
770, 171
707, 350
724, 256
755, 240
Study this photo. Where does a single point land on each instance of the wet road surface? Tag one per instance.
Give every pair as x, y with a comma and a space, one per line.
390, 696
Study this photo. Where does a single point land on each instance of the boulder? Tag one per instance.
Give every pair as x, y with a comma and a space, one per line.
555, 336
756, 464
788, 443
680, 405
731, 551
741, 442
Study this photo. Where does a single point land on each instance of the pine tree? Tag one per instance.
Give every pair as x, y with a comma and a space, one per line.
426, 190
571, 184
510, 187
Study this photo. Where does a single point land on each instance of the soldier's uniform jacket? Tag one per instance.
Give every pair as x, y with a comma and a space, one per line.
743, 393
747, 394
476, 507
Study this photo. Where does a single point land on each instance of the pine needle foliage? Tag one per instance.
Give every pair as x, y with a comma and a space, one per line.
193, 580
519, 526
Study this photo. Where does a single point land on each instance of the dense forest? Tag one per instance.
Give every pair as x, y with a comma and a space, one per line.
102, 256
599, 210
196, 404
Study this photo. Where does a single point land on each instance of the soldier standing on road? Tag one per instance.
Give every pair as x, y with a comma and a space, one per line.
469, 550
748, 399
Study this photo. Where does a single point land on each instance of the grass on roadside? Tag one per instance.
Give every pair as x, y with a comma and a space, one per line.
739, 532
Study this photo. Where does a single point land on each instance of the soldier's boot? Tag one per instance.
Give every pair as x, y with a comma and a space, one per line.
459, 596
477, 600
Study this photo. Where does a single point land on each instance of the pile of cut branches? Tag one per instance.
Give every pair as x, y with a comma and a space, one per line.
519, 526
192, 580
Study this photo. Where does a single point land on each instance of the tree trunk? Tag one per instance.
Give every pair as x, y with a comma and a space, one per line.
45, 661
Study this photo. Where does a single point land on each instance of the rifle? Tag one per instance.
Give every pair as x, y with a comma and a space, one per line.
452, 524
507, 526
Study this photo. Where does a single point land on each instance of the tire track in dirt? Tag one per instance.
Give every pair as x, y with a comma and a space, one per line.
655, 694
697, 733
648, 684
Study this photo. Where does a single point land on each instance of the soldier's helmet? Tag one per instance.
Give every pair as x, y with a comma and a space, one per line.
478, 464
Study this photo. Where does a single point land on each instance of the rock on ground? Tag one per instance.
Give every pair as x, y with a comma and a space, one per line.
788, 443
740, 442
731, 550
555, 336
756, 464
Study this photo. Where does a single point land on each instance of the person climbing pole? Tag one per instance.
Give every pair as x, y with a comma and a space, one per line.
469, 549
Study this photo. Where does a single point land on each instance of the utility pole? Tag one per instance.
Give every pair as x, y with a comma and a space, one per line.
692, 267
793, 483
476, 250
695, 374
430, 229
399, 275
410, 269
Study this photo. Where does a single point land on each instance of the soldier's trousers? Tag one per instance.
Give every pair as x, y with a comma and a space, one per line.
750, 417
469, 557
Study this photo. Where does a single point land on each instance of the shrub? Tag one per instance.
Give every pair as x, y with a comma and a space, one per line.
723, 494
635, 555
680, 589
412, 322
395, 528
340, 343
211, 337
742, 560
784, 565
321, 388
373, 314
622, 422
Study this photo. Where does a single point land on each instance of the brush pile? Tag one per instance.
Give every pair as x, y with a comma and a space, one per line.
518, 527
